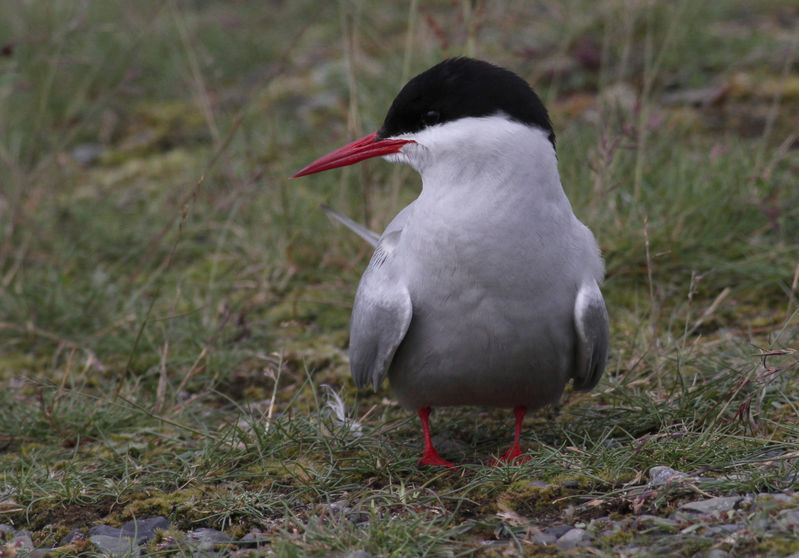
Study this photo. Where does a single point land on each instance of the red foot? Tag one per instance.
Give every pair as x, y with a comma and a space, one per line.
430, 455
435, 461
514, 455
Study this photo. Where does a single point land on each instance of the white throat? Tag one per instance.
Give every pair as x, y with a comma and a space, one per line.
491, 153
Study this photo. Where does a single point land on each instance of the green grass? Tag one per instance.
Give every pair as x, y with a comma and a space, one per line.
153, 302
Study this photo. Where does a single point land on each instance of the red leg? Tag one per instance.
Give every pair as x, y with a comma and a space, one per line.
514, 454
430, 455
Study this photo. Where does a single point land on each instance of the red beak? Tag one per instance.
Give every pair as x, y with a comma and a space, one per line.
364, 148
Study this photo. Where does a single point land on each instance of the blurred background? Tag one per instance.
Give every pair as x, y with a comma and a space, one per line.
158, 267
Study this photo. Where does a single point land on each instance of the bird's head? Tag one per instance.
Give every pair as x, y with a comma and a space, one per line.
456, 107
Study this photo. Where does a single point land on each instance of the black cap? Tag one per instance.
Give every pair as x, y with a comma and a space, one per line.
462, 87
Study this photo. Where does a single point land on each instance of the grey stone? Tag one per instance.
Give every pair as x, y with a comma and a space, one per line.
339, 506
206, 538
253, 538
105, 530
662, 474
789, 517
358, 554
572, 538
115, 545
144, 529
717, 553
557, 531
536, 484
543, 538
20, 541
730, 527
712, 505
86, 153
76, 535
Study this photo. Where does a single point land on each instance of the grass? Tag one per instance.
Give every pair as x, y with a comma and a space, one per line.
169, 311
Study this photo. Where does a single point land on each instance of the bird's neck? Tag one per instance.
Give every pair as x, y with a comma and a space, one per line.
498, 158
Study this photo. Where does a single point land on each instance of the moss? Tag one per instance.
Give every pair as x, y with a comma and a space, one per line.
619, 537
180, 504
527, 498
771, 546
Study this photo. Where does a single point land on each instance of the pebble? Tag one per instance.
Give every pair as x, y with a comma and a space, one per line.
253, 538
141, 529
358, 554
19, 541
712, 505
536, 484
206, 538
76, 535
572, 538
789, 518
114, 545
86, 153
662, 474
539, 537
717, 553
781, 498
557, 531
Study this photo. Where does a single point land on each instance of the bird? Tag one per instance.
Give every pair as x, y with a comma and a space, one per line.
485, 290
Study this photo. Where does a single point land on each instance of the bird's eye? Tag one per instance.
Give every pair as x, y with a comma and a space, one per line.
431, 117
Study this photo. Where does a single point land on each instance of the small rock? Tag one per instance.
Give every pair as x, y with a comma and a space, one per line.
105, 530
572, 538
339, 506
144, 529
86, 153
114, 545
76, 535
730, 528
253, 538
789, 517
536, 484
543, 538
206, 538
713, 505
662, 474
557, 531
19, 542
717, 553
358, 554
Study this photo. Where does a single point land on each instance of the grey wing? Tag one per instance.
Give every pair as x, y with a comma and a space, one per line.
591, 325
380, 317
369, 236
